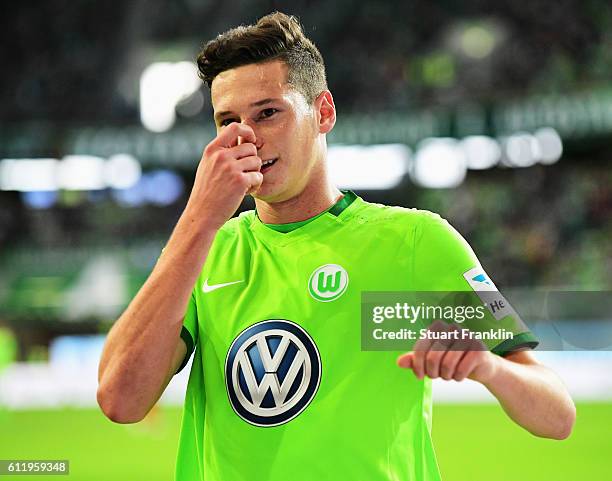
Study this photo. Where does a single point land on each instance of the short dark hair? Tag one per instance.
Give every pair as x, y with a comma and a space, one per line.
274, 37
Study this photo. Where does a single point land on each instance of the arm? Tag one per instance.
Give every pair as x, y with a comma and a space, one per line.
530, 393
143, 349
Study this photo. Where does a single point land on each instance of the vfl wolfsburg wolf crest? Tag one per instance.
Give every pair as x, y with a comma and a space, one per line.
272, 372
328, 282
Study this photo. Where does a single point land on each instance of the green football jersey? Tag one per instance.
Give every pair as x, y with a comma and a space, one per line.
279, 385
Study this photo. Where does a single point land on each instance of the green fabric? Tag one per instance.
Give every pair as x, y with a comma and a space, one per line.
335, 209
522, 340
8, 348
367, 419
189, 332
284, 228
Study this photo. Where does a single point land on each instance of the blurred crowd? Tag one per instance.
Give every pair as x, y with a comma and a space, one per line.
538, 227
77, 64
79, 61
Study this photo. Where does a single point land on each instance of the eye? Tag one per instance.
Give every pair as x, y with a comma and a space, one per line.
226, 122
267, 113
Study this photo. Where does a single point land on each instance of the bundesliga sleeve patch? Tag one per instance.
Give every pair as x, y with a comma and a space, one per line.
486, 290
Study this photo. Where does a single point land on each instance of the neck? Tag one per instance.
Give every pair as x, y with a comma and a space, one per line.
314, 199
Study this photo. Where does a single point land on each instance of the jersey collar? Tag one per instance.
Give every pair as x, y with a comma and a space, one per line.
335, 210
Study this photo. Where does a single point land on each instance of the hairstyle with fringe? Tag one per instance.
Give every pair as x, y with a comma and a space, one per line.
274, 37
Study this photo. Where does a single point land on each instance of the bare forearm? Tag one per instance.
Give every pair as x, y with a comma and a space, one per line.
144, 346
534, 397
138, 354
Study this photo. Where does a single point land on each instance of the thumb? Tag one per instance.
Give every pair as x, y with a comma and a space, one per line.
405, 360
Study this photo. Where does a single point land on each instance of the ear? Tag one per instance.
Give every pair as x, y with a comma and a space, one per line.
326, 112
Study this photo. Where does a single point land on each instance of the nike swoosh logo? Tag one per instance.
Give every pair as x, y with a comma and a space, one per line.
208, 288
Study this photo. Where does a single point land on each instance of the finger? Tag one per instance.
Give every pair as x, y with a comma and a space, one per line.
228, 137
405, 360
466, 365
243, 150
434, 357
478, 345
451, 359
250, 164
254, 180
421, 347
454, 353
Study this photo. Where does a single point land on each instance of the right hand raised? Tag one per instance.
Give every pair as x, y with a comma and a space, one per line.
228, 170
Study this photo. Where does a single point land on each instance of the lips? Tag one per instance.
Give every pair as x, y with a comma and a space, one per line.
267, 165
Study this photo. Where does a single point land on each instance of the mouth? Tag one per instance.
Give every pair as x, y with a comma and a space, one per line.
267, 165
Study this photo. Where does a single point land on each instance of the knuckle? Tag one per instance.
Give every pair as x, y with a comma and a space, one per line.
209, 155
215, 157
436, 353
225, 168
236, 178
224, 155
418, 358
209, 149
431, 364
252, 149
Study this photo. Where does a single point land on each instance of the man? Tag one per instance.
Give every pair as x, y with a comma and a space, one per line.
279, 387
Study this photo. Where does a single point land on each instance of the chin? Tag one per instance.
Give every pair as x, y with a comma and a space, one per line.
271, 193
266, 196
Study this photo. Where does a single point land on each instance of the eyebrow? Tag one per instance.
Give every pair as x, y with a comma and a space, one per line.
259, 103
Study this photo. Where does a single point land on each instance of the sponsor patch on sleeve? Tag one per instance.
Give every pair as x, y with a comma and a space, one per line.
485, 289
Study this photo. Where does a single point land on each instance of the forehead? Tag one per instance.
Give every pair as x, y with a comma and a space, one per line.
247, 84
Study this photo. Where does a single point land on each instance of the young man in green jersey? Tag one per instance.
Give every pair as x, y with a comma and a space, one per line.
279, 386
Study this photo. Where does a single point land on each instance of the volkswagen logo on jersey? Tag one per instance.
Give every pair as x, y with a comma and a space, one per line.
272, 372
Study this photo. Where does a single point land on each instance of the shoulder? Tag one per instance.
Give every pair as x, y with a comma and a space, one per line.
404, 216
428, 233
237, 224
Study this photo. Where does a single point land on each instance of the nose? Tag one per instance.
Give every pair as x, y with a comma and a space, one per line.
258, 138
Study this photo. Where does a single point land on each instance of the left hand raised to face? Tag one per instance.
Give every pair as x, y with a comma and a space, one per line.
450, 359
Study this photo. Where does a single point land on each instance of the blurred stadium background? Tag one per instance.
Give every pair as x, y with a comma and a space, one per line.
496, 115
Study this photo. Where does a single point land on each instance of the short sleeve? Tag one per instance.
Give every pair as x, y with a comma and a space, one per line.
441, 255
189, 331
444, 261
